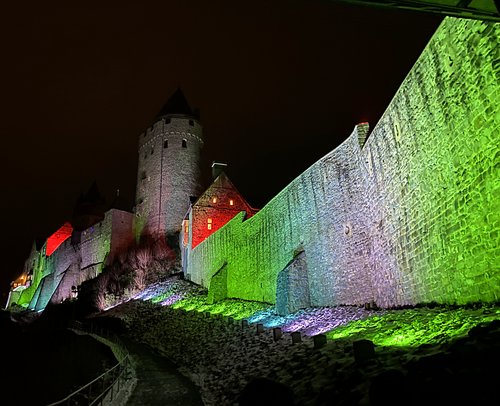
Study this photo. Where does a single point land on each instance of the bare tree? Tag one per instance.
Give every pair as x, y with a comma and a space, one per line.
144, 257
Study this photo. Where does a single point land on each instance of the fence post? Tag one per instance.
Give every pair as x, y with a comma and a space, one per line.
102, 384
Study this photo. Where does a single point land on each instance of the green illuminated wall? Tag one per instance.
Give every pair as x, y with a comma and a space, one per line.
56, 266
310, 215
411, 216
36, 263
434, 173
73, 262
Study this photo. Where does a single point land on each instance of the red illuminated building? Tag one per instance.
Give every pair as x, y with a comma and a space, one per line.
214, 208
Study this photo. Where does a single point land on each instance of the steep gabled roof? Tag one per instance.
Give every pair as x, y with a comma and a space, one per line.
223, 182
92, 197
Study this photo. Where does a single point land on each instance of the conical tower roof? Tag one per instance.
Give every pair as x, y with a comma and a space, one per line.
93, 195
176, 104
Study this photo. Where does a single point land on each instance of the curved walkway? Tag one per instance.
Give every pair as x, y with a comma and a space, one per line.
158, 381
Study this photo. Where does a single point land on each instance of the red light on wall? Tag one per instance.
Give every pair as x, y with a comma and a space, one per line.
56, 239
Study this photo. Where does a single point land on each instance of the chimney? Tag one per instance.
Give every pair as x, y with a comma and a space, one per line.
217, 168
362, 130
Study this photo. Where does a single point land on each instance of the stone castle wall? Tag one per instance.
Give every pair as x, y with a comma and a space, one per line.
60, 262
95, 244
57, 276
433, 176
168, 173
32, 266
122, 236
411, 217
313, 214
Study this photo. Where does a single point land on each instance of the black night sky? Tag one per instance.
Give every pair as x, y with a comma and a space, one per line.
279, 84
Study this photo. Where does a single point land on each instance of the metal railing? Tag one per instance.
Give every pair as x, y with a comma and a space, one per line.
108, 383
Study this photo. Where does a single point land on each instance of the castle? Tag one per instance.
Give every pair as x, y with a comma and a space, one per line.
168, 184
407, 215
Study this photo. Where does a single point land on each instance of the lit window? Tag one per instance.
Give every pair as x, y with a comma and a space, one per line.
209, 224
184, 143
185, 239
231, 202
214, 200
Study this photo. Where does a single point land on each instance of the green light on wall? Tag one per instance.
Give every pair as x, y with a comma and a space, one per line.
411, 328
236, 309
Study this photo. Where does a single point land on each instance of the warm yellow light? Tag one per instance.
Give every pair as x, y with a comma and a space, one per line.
214, 200
231, 202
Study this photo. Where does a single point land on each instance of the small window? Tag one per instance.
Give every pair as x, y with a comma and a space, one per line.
167, 121
184, 143
145, 155
231, 202
143, 175
185, 238
209, 224
397, 132
165, 144
214, 200
191, 123
152, 151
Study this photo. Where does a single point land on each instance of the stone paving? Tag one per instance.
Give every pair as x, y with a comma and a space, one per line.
158, 381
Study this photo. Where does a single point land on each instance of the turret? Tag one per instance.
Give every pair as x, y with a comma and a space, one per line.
169, 168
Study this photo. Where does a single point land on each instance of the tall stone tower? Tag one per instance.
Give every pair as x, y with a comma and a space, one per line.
169, 168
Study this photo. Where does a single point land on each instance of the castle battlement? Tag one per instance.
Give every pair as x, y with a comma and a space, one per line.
407, 215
